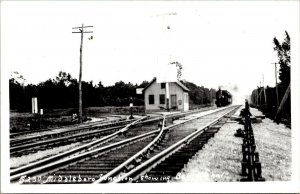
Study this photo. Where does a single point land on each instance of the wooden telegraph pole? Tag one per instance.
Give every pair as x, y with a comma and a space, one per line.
81, 30
257, 96
265, 94
277, 99
286, 95
260, 95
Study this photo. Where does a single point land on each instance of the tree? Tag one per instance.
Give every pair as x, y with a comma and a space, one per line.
17, 78
16, 94
198, 94
63, 78
62, 92
143, 84
284, 59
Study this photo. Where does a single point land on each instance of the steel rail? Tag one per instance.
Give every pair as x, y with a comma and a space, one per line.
72, 151
69, 127
66, 161
134, 157
60, 139
18, 148
143, 151
68, 131
28, 168
165, 153
14, 148
74, 136
92, 126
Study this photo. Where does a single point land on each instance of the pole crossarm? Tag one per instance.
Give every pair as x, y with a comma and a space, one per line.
84, 32
82, 27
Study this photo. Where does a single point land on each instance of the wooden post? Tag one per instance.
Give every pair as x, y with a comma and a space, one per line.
80, 76
286, 94
265, 95
260, 101
277, 101
34, 105
81, 31
277, 98
131, 107
257, 97
167, 96
259, 91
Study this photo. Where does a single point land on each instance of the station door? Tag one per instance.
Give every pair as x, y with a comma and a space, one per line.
173, 101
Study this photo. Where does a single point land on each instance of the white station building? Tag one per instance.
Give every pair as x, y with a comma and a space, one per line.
161, 96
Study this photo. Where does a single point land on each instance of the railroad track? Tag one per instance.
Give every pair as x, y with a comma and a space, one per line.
33, 132
20, 146
170, 156
26, 145
125, 136
102, 163
28, 137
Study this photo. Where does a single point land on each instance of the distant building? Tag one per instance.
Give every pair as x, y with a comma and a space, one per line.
155, 96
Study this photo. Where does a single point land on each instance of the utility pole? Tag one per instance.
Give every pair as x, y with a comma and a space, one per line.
260, 101
277, 99
286, 95
265, 95
257, 96
81, 31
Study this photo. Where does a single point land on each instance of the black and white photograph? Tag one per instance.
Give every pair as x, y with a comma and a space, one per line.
150, 96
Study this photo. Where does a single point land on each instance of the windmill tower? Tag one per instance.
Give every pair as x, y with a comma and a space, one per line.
167, 72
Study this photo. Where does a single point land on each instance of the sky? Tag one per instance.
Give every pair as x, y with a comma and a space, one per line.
218, 43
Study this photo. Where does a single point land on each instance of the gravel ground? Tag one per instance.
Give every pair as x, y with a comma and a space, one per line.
26, 159
23, 160
220, 159
274, 146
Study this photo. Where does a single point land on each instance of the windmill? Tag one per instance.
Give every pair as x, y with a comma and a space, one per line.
167, 73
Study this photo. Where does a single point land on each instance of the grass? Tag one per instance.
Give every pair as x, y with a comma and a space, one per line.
63, 117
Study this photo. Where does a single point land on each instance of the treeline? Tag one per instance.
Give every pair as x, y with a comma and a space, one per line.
200, 95
277, 104
62, 92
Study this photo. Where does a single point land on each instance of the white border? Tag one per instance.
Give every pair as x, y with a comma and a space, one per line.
263, 187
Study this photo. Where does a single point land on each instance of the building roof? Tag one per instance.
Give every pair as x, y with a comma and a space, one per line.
183, 86
178, 83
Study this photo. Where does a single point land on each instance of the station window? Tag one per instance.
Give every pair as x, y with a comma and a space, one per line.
162, 99
163, 85
151, 99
